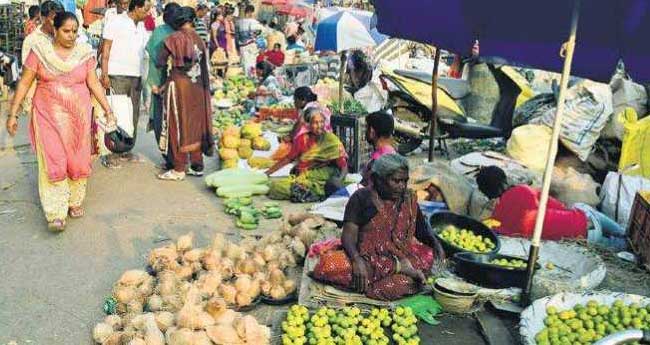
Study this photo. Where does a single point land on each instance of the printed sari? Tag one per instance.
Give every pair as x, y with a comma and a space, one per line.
389, 236
318, 167
60, 127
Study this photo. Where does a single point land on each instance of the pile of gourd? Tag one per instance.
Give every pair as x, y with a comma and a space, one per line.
236, 144
185, 296
238, 183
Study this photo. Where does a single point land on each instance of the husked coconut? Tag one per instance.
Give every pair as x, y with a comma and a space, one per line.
184, 243
102, 331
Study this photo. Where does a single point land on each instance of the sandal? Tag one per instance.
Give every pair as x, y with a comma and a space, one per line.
56, 225
172, 175
76, 212
110, 162
193, 172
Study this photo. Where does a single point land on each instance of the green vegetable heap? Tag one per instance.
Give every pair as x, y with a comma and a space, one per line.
350, 107
247, 215
586, 324
348, 326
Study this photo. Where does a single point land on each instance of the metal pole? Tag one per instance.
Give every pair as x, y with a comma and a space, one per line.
434, 104
567, 52
344, 63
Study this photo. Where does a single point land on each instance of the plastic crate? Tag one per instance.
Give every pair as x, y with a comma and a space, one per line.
639, 228
351, 130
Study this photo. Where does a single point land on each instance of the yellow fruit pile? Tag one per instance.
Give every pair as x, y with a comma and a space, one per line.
586, 324
238, 143
510, 264
467, 240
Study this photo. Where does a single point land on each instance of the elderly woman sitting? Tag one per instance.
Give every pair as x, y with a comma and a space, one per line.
321, 164
387, 247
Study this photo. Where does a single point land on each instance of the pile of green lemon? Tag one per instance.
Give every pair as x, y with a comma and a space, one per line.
510, 264
467, 239
348, 326
586, 324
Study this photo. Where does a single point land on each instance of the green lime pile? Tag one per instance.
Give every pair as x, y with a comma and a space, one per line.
467, 239
294, 326
510, 264
586, 324
348, 326
405, 327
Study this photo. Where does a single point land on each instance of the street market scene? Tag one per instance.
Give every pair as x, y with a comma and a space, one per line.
329, 172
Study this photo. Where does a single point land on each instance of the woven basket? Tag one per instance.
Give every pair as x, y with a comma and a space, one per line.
457, 303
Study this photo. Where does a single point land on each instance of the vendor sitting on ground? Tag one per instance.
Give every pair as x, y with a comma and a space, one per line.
379, 134
303, 99
388, 249
268, 92
321, 164
516, 210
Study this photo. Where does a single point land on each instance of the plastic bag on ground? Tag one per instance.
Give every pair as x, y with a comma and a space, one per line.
635, 151
455, 187
617, 195
625, 94
572, 187
529, 145
588, 107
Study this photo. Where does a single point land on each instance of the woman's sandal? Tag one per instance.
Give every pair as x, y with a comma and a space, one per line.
76, 212
56, 225
172, 175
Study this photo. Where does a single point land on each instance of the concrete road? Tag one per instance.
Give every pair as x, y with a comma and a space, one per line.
53, 284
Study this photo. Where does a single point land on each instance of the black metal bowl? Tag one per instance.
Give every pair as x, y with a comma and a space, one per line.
292, 297
477, 269
439, 220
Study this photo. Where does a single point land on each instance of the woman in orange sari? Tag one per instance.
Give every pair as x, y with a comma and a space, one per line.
60, 127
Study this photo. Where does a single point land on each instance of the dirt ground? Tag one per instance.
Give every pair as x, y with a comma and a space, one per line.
53, 284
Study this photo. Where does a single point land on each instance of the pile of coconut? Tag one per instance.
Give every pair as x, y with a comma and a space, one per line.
188, 294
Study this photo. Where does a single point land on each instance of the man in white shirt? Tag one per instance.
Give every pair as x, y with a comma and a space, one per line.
122, 58
247, 29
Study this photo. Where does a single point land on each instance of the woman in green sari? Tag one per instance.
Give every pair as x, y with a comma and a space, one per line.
321, 164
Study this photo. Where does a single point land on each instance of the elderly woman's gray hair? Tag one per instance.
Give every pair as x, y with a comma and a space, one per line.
309, 112
389, 164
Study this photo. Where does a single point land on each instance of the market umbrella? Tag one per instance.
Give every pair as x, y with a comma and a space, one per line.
531, 32
341, 32
294, 10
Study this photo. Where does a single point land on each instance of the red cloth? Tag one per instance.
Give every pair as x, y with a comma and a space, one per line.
272, 56
149, 23
517, 209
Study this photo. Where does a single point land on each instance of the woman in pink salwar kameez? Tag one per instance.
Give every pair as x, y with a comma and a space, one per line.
60, 126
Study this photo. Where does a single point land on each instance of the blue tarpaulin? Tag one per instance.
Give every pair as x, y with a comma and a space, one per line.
530, 32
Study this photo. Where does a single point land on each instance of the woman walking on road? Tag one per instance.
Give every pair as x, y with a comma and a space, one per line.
60, 127
187, 118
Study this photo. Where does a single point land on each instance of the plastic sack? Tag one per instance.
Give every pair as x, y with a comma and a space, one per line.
617, 195
123, 109
572, 187
456, 189
635, 151
529, 145
588, 107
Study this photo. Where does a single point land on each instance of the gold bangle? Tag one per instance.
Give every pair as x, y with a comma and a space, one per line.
398, 266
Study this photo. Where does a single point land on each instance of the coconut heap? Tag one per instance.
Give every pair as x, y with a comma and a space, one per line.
187, 295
